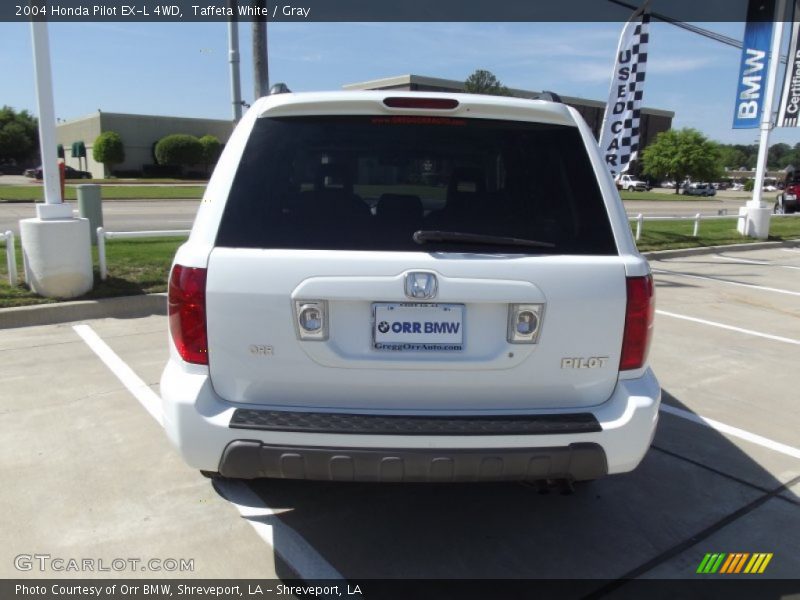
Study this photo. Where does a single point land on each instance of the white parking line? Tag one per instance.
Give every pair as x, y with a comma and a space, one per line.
743, 261
291, 547
767, 336
747, 261
140, 390
733, 431
728, 282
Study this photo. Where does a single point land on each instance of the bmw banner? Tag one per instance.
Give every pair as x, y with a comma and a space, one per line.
790, 98
752, 80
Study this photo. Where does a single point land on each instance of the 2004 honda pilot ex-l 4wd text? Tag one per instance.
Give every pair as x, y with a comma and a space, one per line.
385, 286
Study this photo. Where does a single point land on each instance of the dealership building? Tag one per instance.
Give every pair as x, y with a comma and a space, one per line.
140, 133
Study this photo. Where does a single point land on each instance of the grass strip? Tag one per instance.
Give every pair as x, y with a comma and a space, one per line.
141, 266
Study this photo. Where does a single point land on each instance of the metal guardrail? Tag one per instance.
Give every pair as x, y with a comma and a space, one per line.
103, 235
11, 257
640, 219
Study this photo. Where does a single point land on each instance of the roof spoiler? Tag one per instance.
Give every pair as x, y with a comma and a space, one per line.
547, 95
279, 88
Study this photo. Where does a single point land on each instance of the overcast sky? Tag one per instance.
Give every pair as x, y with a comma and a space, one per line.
181, 69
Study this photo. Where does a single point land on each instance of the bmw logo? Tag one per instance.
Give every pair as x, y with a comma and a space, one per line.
383, 326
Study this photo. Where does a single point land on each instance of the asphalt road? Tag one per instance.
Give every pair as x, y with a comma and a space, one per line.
88, 471
121, 215
150, 215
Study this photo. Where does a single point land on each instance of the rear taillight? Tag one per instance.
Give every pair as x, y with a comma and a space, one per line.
638, 322
421, 102
187, 313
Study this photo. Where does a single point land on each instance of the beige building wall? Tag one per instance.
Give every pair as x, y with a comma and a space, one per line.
139, 134
86, 130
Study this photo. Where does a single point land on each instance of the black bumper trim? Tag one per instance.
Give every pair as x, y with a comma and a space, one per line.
250, 459
308, 422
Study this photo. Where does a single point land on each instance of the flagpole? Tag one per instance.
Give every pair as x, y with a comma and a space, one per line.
766, 117
57, 249
47, 119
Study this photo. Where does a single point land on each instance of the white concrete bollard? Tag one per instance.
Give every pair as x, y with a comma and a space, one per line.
756, 222
57, 255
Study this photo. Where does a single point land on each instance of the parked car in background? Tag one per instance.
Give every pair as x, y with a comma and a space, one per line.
668, 184
629, 182
10, 168
69, 173
699, 189
770, 188
737, 187
787, 201
332, 318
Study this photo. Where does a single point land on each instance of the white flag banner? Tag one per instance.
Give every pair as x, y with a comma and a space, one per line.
790, 98
619, 137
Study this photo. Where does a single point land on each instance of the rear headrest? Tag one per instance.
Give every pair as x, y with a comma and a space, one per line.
333, 176
467, 177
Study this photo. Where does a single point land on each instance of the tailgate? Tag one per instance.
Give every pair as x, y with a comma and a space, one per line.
256, 356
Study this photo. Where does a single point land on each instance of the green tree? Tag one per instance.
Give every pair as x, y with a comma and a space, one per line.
776, 153
180, 150
211, 150
679, 154
731, 157
485, 82
109, 150
19, 140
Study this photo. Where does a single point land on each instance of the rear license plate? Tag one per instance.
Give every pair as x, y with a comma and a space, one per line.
418, 327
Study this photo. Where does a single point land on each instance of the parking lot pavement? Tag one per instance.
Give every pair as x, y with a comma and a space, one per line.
99, 478
89, 475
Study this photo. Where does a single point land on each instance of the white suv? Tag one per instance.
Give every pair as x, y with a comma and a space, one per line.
628, 183
389, 286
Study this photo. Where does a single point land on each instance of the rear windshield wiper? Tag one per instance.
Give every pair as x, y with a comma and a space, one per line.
424, 237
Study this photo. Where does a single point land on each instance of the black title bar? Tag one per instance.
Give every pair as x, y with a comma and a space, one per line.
363, 10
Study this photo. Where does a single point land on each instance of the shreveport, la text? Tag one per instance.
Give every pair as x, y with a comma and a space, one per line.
168, 589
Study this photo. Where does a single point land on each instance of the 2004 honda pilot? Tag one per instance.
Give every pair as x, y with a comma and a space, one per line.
388, 286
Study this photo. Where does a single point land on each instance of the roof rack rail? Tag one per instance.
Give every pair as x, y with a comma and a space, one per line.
547, 95
279, 88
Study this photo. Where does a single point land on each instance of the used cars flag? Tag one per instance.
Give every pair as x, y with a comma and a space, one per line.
619, 136
790, 98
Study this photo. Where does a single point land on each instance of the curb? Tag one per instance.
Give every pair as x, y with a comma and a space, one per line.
122, 307
659, 254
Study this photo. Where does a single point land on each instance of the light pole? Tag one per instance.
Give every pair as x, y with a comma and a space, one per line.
233, 59
260, 58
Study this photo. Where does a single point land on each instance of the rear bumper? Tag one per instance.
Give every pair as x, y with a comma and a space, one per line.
250, 459
198, 422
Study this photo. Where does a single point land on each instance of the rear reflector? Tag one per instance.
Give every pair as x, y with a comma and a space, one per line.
638, 322
187, 313
427, 103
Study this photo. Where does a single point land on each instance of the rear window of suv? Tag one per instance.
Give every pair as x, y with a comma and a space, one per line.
371, 182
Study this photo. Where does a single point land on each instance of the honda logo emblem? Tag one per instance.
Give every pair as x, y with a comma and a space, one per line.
421, 285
